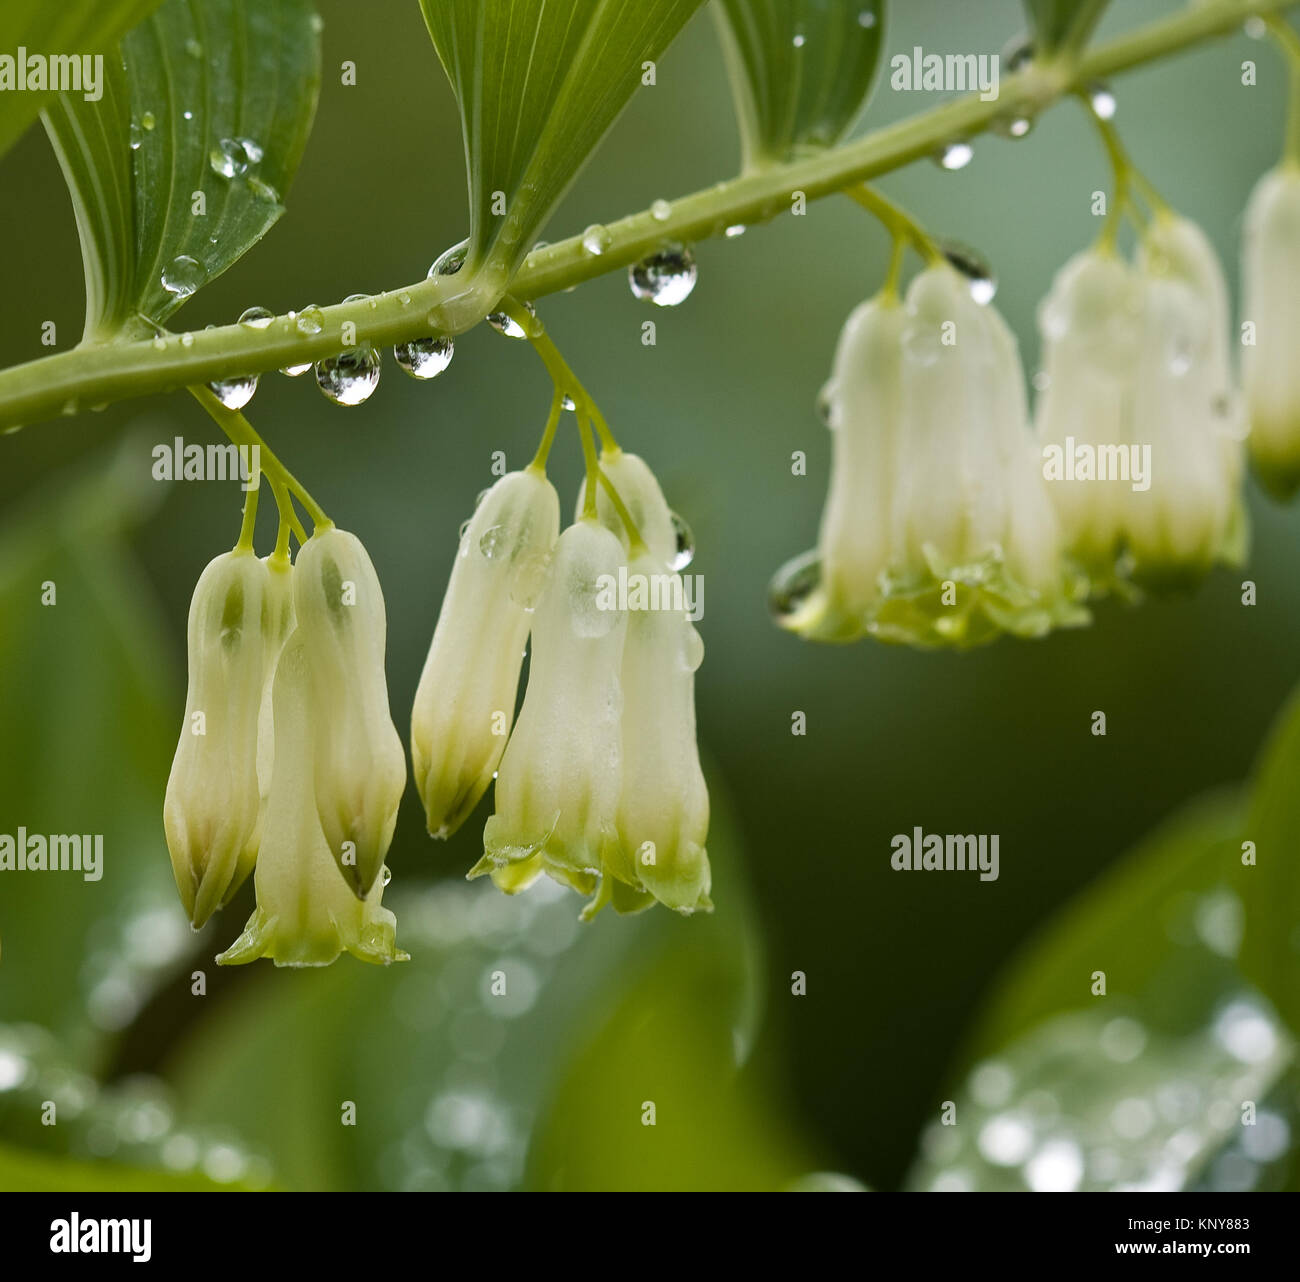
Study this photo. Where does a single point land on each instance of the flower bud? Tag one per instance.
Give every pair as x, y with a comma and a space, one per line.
465, 702
1270, 268
663, 810
213, 801
306, 914
637, 487
360, 766
558, 787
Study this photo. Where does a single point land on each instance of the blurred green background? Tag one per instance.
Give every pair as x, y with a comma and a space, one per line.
451, 1093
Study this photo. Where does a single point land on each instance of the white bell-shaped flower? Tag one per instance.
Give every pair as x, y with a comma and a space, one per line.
663, 809
1185, 407
306, 913
212, 806
1091, 324
359, 763
1270, 370
465, 702
557, 790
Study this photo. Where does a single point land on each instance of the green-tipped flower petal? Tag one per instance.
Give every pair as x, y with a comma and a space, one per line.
465, 702
360, 766
557, 790
212, 807
306, 914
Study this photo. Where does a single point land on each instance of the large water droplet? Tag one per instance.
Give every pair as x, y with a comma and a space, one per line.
256, 317
507, 325
425, 357
494, 541
450, 261
596, 239
295, 371
309, 321
227, 159
685, 551
975, 267
661, 211
954, 155
793, 584
234, 393
666, 278
350, 377
252, 150
183, 275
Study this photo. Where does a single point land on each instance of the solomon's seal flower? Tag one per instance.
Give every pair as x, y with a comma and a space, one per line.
557, 790
639, 490
360, 769
465, 702
663, 809
306, 913
1270, 270
952, 539
1185, 403
212, 807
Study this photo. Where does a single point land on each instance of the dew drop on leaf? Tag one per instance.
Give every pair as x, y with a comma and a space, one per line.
866, 19
227, 159
350, 377
183, 275
147, 121
666, 278
234, 393
425, 358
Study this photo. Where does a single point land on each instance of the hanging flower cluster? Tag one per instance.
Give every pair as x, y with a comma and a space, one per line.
599, 784
951, 521
288, 762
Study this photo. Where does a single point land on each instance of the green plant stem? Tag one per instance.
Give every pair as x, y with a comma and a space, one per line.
896, 221
249, 522
95, 375
283, 482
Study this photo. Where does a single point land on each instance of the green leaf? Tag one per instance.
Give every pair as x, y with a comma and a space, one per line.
1270, 955
801, 70
182, 166
1178, 886
50, 29
539, 83
22, 1171
1063, 25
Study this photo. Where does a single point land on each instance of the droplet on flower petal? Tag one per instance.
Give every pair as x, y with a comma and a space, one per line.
793, 584
350, 377
975, 267
685, 545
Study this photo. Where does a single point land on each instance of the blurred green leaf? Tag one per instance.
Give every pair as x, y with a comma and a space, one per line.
182, 166
1270, 955
67, 28
1058, 25
801, 70
1175, 893
22, 1171
93, 715
539, 83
